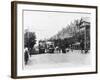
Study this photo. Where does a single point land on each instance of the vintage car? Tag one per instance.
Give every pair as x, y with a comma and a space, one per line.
42, 47
50, 47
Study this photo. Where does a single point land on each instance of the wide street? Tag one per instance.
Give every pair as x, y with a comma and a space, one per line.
68, 59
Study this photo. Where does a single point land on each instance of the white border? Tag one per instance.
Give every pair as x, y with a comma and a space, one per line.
21, 72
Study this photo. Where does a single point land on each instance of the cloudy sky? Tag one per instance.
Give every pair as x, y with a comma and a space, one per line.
46, 24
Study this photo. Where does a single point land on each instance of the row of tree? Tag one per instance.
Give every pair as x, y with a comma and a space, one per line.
67, 36
70, 34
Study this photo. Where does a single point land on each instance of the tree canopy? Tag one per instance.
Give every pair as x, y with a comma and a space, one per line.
29, 39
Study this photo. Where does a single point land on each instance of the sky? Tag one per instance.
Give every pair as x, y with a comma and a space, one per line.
47, 24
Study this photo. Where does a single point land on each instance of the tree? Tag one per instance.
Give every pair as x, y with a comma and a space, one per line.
29, 39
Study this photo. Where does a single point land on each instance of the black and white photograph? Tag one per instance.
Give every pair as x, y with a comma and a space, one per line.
54, 39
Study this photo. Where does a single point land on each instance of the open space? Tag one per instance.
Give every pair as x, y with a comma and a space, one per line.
58, 60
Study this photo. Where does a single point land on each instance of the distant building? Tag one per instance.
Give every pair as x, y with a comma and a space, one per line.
84, 32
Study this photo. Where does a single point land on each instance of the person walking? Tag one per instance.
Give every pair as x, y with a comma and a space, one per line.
82, 45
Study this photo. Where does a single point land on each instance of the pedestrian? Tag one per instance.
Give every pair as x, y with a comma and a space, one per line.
82, 45
71, 48
26, 55
57, 49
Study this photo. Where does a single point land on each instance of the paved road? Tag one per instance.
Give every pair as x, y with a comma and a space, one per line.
69, 59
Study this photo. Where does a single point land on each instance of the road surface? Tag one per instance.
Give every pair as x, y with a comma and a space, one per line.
69, 59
